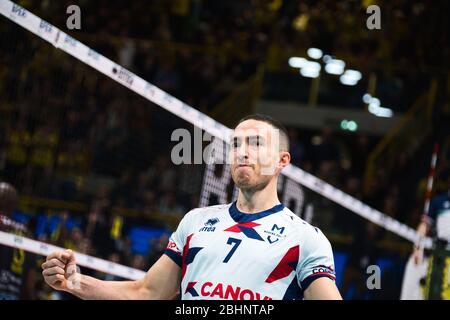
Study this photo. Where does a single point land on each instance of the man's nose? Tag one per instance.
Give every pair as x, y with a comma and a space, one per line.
242, 151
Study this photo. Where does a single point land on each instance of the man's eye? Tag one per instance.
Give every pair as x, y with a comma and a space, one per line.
235, 144
255, 142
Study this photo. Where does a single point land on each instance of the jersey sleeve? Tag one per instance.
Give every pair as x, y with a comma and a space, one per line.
316, 259
178, 238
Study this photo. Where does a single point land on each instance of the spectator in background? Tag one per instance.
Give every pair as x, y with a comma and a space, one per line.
326, 150
141, 189
17, 267
115, 258
344, 220
43, 150
297, 149
74, 128
169, 205
359, 152
190, 181
149, 204
167, 78
98, 227
75, 240
163, 175
157, 248
60, 233
139, 262
363, 253
376, 192
122, 194
325, 206
437, 222
18, 141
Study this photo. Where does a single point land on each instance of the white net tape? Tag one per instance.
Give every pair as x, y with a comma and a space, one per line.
83, 260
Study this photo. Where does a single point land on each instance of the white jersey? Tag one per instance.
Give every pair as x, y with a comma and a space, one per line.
227, 254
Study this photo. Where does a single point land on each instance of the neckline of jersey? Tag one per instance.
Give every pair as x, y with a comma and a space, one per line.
241, 217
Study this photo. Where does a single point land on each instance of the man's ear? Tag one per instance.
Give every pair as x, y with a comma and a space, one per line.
285, 159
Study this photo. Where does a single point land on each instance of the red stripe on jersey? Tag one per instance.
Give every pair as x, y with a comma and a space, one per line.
286, 265
185, 252
236, 229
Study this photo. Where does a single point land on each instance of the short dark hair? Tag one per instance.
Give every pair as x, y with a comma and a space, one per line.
284, 137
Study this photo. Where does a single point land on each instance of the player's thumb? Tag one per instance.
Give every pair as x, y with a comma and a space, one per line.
72, 275
70, 262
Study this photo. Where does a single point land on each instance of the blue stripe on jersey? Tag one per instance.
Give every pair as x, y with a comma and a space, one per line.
240, 216
192, 252
293, 292
174, 256
306, 282
249, 232
439, 204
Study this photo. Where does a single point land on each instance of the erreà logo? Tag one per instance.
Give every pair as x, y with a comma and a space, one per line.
211, 222
209, 225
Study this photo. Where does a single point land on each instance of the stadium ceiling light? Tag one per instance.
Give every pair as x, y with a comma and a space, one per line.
375, 102
335, 66
354, 74
367, 98
351, 77
297, 62
349, 125
311, 65
327, 58
352, 126
375, 108
348, 80
310, 69
314, 53
384, 112
308, 73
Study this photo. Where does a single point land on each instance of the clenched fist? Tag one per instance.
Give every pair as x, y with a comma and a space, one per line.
60, 270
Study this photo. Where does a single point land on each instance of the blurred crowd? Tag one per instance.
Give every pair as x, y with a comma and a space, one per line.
226, 40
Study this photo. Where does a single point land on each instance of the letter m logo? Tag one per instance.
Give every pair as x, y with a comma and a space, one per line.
275, 228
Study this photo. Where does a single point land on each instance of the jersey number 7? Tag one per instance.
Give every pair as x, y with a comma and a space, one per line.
235, 242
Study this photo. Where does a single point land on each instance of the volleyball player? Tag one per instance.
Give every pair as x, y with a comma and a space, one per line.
254, 248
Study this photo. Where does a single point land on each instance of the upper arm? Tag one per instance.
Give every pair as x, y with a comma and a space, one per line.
162, 280
322, 289
316, 261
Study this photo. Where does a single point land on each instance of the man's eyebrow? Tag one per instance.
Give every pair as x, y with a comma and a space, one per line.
235, 139
256, 136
